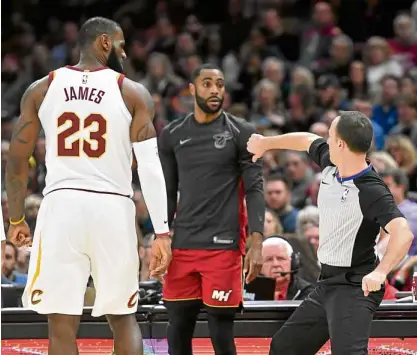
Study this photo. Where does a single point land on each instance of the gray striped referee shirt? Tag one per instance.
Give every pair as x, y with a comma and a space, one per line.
352, 211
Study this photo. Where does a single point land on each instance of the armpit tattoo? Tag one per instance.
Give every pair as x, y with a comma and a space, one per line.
146, 132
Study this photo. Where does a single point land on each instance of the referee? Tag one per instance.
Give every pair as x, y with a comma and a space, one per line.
354, 204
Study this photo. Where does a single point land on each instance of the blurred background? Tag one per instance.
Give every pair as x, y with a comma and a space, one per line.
289, 66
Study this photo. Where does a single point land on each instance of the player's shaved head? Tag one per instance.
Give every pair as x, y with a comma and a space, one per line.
95, 27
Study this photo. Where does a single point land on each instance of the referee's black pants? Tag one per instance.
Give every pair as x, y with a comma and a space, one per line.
335, 309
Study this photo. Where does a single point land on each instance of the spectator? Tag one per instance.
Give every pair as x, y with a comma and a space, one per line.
266, 110
341, 54
404, 45
405, 154
307, 233
301, 111
272, 224
407, 118
300, 175
385, 113
357, 83
279, 258
397, 182
330, 96
382, 161
408, 85
376, 57
316, 41
9, 267
278, 199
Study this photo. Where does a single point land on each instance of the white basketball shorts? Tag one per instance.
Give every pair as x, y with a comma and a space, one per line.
79, 234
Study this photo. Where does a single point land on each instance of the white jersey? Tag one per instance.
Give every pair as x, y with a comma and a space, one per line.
87, 132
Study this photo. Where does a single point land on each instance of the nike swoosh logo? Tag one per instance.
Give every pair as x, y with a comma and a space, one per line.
185, 141
325, 183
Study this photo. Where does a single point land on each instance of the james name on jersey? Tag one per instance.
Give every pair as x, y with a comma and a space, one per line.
83, 93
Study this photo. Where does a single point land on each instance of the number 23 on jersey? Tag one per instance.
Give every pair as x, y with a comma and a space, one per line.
66, 149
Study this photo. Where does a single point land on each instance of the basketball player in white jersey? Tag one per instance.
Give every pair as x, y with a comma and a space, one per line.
92, 116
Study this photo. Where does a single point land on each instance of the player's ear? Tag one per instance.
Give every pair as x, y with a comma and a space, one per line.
105, 42
191, 87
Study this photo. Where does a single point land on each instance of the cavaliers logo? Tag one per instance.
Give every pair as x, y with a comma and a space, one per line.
221, 139
35, 296
133, 300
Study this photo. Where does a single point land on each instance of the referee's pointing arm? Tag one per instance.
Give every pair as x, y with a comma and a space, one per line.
376, 201
300, 141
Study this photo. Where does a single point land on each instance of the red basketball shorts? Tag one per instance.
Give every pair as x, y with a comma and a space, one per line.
214, 276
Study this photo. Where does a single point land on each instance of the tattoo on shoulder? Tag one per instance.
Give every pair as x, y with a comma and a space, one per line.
147, 113
23, 122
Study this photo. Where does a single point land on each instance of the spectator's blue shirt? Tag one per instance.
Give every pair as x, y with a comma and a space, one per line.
289, 221
379, 135
5, 281
20, 279
385, 119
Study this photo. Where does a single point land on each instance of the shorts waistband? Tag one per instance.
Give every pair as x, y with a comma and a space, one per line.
91, 191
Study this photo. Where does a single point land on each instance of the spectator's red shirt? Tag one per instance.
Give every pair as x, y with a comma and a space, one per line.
408, 54
390, 291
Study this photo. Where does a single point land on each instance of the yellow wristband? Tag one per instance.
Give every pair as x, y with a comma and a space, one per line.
18, 222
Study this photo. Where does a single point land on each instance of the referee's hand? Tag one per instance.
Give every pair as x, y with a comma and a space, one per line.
255, 146
161, 257
373, 282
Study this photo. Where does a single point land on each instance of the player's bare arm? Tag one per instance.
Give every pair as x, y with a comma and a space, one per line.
143, 136
301, 141
25, 135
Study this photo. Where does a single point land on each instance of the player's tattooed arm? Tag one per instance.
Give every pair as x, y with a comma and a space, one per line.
24, 137
140, 104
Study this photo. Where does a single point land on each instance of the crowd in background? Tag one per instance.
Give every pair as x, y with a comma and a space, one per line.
289, 65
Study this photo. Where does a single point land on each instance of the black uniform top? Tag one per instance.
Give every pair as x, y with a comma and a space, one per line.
208, 163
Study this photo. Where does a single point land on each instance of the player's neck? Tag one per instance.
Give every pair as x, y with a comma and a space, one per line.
89, 61
352, 165
202, 117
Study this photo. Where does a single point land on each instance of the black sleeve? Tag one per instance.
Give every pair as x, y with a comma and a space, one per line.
252, 176
377, 203
319, 153
169, 166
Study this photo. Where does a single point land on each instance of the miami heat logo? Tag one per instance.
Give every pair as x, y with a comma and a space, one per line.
35, 296
221, 139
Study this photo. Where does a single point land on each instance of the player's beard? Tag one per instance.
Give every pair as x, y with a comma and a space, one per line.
202, 104
114, 62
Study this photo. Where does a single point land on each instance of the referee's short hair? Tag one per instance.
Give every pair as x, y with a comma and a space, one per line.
356, 130
398, 176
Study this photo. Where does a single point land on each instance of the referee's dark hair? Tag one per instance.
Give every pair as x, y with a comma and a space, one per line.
398, 176
356, 130
95, 27
206, 66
